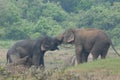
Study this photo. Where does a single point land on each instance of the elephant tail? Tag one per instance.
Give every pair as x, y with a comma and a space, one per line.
115, 50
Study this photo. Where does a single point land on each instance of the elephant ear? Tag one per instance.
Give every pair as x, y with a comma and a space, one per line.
71, 38
44, 47
45, 43
68, 36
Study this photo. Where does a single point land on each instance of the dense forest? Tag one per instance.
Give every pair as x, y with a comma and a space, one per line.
24, 19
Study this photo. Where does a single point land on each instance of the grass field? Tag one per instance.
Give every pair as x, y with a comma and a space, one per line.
108, 69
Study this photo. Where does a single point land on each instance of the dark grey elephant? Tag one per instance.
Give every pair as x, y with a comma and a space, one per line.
31, 52
89, 40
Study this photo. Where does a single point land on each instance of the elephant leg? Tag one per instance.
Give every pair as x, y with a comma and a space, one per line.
100, 49
95, 56
17, 60
79, 54
95, 53
28, 62
41, 60
103, 55
97, 50
21, 61
38, 61
35, 60
104, 52
14, 57
85, 57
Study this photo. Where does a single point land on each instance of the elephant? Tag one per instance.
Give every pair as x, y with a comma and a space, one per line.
31, 52
86, 41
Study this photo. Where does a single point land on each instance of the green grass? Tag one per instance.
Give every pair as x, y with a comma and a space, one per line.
110, 64
107, 69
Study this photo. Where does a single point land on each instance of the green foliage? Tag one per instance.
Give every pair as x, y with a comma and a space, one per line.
9, 13
99, 70
55, 11
115, 34
23, 19
100, 17
113, 63
47, 26
70, 5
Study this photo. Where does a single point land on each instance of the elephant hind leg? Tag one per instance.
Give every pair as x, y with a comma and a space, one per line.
19, 61
100, 50
14, 58
95, 53
104, 52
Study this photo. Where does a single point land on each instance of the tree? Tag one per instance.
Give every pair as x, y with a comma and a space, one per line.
47, 26
100, 17
9, 13
115, 35
55, 11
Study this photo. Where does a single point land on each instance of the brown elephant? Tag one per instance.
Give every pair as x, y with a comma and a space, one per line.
87, 40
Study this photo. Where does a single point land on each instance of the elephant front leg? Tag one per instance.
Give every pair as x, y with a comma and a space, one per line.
85, 56
79, 54
41, 60
35, 60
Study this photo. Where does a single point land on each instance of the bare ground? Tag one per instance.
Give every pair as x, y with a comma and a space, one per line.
55, 59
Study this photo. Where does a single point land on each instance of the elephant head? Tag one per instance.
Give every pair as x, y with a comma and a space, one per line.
49, 43
42, 45
67, 37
